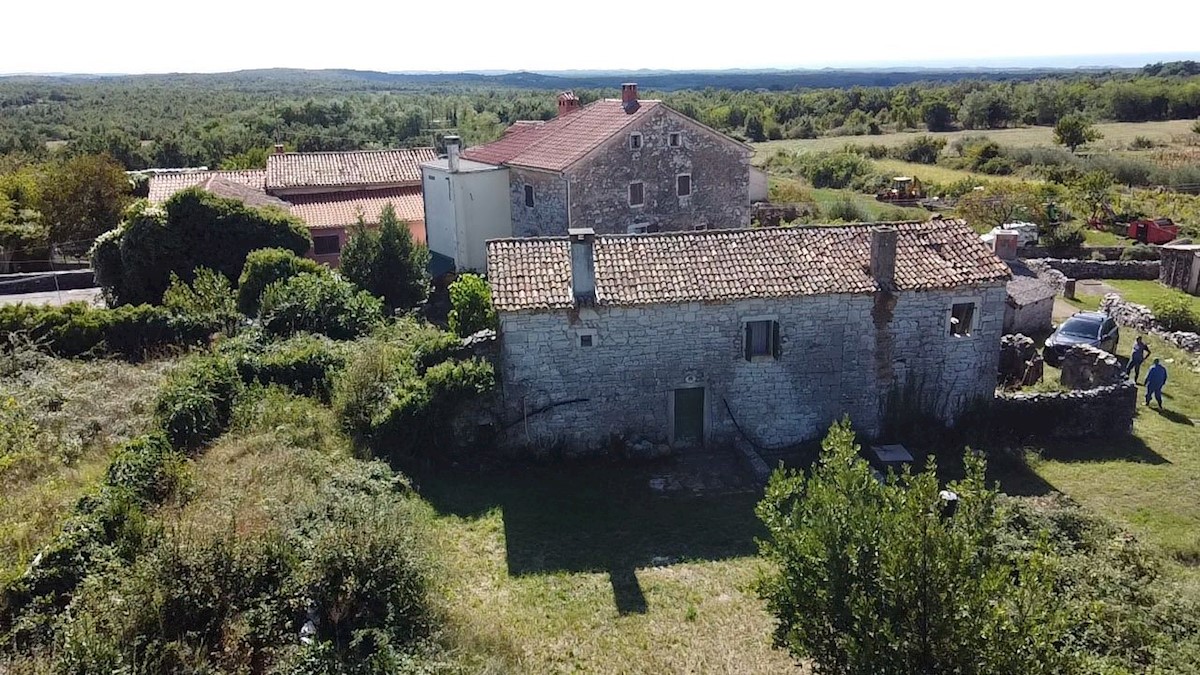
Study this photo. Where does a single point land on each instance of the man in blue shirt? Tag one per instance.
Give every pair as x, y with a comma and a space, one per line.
1136, 358
1155, 379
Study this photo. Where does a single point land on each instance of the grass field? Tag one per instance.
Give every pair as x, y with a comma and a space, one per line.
1141, 292
1117, 136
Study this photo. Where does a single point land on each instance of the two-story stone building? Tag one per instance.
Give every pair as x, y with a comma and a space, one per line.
774, 333
617, 166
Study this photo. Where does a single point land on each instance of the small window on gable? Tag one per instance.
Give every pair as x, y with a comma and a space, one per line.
637, 194
585, 338
635, 141
326, 244
962, 319
762, 340
683, 184
674, 139
528, 195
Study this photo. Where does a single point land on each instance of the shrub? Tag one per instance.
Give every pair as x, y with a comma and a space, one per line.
209, 300
1140, 252
376, 368
195, 405
1174, 312
417, 415
194, 229
148, 468
1142, 143
304, 364
264, 267
922, 150
832, 170
472, 311
846, 211
388, 263
77, 329
1062, 237
318, 303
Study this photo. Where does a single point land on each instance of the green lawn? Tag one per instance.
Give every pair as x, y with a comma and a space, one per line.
1094, 237
1134, 290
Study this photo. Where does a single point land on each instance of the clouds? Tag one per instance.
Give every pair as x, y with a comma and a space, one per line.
221, 35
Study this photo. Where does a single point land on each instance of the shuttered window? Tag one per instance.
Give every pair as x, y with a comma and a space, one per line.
762, 339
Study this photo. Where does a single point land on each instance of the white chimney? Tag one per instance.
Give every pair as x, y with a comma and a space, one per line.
883, 256
583, 267
452, 153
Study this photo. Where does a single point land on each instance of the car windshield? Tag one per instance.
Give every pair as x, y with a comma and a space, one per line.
1081, 327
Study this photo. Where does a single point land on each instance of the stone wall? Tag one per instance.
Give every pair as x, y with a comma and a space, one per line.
548, 215
719, 169
1176, 270
1141, 318
1098, 269
43, 282
1077, 252
840, 354
1105, 411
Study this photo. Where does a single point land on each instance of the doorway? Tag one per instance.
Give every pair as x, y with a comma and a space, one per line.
687, 421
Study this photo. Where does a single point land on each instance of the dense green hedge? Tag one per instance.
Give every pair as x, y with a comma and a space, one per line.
77, 328
319, 303
266, 266
134, 262
305, 363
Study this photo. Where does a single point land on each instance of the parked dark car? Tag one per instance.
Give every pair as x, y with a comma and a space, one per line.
1083, 328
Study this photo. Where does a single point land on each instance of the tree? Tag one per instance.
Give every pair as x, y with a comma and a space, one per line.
1075, 130
1000, 203
472, 311
388, 263
754, 128
887, 577
82, 198
937, 115
1092, 192
264, 267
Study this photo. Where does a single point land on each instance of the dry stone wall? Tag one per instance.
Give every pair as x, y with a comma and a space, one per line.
1141, 318
1101, 412
1097, 269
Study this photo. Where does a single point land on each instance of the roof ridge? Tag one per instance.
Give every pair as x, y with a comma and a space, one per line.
747, 230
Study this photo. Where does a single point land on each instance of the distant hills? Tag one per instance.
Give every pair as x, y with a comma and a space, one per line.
662, 80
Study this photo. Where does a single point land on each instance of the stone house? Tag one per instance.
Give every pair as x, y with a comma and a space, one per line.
327, 190
1180, 267
617, 166
770, 334
1029, 307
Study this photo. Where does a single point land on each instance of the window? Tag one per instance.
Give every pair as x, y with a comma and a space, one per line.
326, 244
586, 338
635, 141
639, 228
962, 319
762, 340
683, 184
637, 194
674, 139
528, 195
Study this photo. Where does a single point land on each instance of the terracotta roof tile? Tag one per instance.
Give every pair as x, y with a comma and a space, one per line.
1027, 290
163, 185
346, 169
726, 265
562, 141
339, 209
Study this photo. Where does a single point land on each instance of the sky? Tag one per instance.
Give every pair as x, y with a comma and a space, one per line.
87, 36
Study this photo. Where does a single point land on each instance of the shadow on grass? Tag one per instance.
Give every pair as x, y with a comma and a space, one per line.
1173, 416
598, 518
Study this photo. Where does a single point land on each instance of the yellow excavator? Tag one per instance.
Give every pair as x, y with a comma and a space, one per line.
905, 191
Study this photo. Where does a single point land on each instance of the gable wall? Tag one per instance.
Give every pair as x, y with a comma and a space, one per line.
834, 361
548, 215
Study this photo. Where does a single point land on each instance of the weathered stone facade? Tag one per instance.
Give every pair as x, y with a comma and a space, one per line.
1179, 268
548, 215
839, 354
718, 167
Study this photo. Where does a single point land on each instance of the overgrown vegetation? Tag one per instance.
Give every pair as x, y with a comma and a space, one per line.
318, 303
471, 302
387, 262
266, 266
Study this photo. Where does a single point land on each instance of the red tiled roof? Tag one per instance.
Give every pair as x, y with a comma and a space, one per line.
251, 196
163, 185
346, 169
340, 209
727, 265
562, 141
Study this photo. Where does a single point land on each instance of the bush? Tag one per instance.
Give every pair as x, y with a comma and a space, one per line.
388, 263
195, 405
1062, 237
1140, 252
1142, 143
416, 417
148, 468
472, 311
305, 364
1174, 312
922, 150
318, 303
209, 300
846, 211
832, 170
264, 267
194, 229
77, 329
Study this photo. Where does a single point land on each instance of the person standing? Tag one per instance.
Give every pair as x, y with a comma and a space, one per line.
1137, 357
1156, 377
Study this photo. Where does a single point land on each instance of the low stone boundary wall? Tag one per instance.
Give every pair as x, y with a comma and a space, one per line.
44, 282
1088, 413
1079, 252
1139, 317
1097, 269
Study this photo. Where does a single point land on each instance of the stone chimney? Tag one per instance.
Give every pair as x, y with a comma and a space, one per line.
583, 267
883, 256
629, 97
568, 103
452, 143
1005, 244
279, 148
